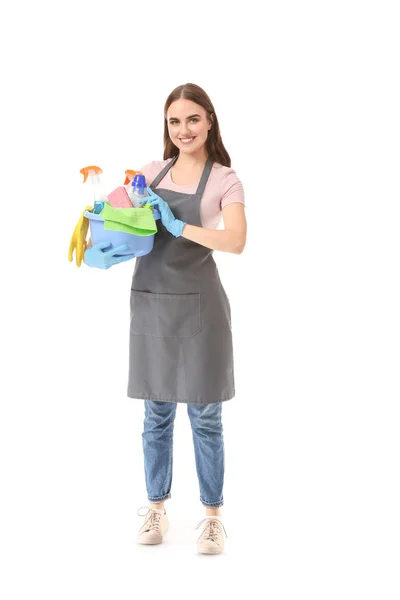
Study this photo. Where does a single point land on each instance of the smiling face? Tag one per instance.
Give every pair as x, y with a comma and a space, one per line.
188, 125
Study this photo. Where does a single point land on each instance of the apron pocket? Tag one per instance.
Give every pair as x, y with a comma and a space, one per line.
165, 315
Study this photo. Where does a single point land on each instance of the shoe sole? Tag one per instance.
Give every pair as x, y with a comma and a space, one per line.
152, 542
214, 551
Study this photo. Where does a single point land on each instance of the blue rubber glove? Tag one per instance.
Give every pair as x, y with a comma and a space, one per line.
97, 256
168, 219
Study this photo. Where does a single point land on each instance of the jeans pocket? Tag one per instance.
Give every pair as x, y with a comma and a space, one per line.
165, 315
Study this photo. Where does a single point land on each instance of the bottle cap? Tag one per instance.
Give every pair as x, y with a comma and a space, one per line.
139, 181
139, 185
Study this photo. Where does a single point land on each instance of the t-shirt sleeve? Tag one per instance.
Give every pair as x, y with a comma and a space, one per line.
232, 189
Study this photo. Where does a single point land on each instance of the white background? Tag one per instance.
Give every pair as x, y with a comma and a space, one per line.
307, 96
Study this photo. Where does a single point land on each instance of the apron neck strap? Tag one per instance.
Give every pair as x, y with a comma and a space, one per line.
204, 178
165, 170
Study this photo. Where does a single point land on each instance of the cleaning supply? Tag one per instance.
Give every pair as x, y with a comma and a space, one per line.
141, 227
93, 175
78, 239
119, 198
129, 175
137, 221
138, 190
124, 229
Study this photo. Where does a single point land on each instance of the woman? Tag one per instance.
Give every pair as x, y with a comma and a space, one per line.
180, 334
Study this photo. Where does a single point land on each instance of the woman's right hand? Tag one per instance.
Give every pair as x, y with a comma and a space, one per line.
97, 256
168, 219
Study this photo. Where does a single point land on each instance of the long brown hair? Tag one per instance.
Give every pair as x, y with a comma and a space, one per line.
215, 148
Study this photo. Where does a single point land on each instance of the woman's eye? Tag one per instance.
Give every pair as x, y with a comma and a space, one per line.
175, 122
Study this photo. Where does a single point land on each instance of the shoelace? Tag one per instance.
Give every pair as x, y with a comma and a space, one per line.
212, 529
153, 518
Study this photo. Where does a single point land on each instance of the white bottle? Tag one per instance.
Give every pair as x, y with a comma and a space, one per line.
138, 190
99, 195
92, 175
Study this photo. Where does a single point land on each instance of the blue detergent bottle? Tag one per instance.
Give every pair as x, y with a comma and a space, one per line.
138, 190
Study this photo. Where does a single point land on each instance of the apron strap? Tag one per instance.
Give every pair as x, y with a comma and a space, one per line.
165, 170
204, 178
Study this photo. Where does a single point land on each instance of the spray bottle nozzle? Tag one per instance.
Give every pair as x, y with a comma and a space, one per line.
90, 172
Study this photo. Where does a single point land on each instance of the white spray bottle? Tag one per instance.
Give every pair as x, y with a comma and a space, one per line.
92, 174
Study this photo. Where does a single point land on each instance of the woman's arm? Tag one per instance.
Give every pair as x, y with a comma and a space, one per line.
230, 239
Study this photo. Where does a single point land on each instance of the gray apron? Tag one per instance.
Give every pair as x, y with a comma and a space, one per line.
180, 329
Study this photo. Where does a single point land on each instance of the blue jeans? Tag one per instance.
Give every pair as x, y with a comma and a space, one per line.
157, 436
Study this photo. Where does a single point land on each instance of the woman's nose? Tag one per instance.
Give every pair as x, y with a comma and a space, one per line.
184, 129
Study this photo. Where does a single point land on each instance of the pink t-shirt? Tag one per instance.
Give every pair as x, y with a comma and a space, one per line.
223, 187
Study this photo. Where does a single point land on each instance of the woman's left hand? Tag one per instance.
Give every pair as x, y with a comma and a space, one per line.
168, 219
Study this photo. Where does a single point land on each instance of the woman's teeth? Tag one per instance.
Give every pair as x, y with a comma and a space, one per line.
187, 140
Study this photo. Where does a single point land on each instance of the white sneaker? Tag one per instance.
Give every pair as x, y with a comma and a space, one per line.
154, 526
211, 540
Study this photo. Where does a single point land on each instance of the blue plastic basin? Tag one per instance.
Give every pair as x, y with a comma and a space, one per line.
137, 245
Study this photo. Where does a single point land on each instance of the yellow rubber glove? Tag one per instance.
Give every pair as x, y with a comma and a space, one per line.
78, 239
